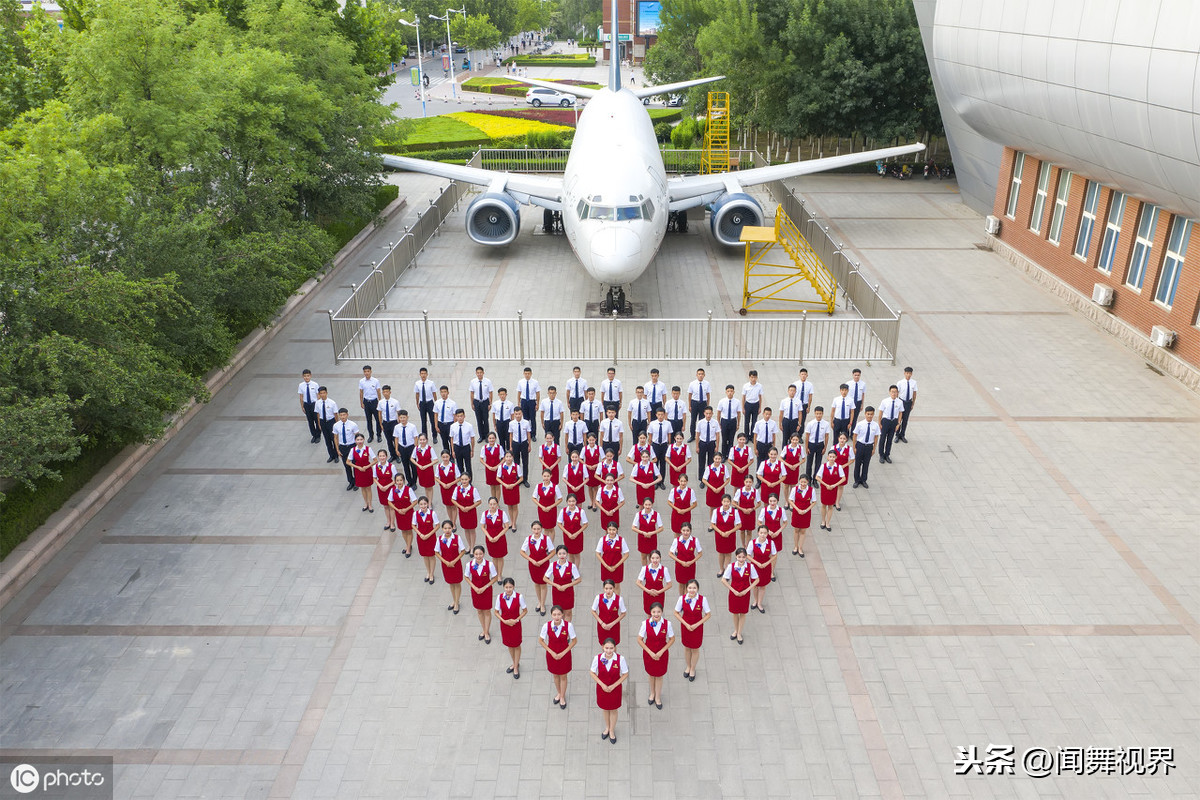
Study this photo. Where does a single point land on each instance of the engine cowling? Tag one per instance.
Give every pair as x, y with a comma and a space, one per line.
493, 219
732, 212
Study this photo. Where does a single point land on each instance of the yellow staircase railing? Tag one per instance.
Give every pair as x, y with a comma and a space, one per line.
766, 280
715, 156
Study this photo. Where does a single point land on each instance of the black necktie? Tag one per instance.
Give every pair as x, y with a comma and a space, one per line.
403, 438
387, 411
422, 391
701, 392
791, 407
344, 434
867, 438
307, 393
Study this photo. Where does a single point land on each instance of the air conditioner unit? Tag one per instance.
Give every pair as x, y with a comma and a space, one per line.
1161, 337
992, 224
1102, 295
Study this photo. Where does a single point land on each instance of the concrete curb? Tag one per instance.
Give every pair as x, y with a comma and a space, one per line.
24, 562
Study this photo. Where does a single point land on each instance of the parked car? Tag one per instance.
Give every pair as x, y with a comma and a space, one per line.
675, 100
538, 97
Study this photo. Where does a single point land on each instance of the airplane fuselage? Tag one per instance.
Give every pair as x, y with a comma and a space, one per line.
615, 189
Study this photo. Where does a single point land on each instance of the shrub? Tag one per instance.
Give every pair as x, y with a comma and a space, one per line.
684, 134
662, 131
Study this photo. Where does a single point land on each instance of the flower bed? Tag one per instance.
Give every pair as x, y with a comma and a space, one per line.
551, 60
503, 127
550, 114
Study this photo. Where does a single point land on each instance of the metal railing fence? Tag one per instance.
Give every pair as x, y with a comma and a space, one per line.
535, 159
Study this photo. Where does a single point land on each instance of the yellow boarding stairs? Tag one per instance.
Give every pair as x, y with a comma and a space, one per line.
714, 157
769, 273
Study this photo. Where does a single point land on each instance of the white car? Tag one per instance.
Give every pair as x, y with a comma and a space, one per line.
538, 97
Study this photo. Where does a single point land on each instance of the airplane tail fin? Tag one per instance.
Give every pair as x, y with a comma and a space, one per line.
614, 64
671, 88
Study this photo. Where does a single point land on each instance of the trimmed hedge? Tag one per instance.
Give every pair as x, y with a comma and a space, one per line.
658, 115
552, 61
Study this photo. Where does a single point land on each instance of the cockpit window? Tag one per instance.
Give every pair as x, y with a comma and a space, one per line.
610, 213
629, 212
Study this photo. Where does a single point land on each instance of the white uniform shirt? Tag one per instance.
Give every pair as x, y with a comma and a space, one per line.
462, 434
704, 607
858, 390
406, 435
639, 410
620, 601
816, 431
752, 392
765, 431
326, 409
611, 430
707, 430
660, 431
804, 392
481, 390
577, 388
622, 664
552, 409
343, 432
867, 432
519, 430
675, 547
444, 410
842, 407
486, 567
592, 411
610, 390
545, 634
729, 408
425, 391
369, 388
576, 432
656, 392
389, 409
790, 407
308, 391
528, 389
516, 597
700, 391
502, 410
664, 621
645, 571
908, 389
890, 409
570, 572
676, 409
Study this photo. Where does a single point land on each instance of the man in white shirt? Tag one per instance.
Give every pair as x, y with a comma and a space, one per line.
577, 388
502, 414
729, 415
481, 401
805, 393
866, 438
858, 393
707, 431
752, 393
891, 410
699, 392
368, 401
308, 403
406, 441
843, 412
655, 391
611, 394
425, 393
529, 397
344, 432
519, 432
552, 411
462, 442
576, 432
591, 411
677, 410
789, 415
816, 438
612, 433
326, 411
660, 432
639, 413
908, 393
443, 411
766, 431
389, 414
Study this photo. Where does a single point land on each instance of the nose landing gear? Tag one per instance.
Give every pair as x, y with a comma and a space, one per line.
614, 303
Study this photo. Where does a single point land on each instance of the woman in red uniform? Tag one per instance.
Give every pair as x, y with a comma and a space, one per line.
762, 554
425, 520
678, 458
739, 577
609, 609
360, 461
772, 517
450, 549
562, 576
551, 458
793, 463
423, 460
510, 610
682, 501
510, 479
577, 477
739, 461
640, 448
609, 466
654, 580
495, 533
685, 552
537, 549
746, 503
446, 475
466, 504
572, 522
547, 497
645, 477
656, 637
383, 476
558, 639
770, 476
612, 552
801, 502
692, 611
490, 455
480, 575
609, 671
724, 526
611, 500
402, 501
591, 456
831, 477
647, 524
716, 481
844, 451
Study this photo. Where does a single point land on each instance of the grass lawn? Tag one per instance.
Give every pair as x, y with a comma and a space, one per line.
504, 127
443, 131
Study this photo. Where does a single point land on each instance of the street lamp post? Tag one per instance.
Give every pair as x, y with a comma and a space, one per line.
449, 44
420, 53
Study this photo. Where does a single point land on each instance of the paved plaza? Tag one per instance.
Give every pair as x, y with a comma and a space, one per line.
1026, 574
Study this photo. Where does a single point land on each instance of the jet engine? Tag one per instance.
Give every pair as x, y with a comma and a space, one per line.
493, 219
731, 212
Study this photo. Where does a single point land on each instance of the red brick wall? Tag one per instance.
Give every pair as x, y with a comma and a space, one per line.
1135, 307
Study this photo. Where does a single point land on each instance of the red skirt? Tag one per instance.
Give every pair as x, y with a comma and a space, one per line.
558, 666
608, 573
447, 494
691, 639
563, 597
656, 669
611, 633
608, 701
645, 493
573, 542
469, 520
511, 495
829, 496
764, 572
726, 543
739, 605
482, 601
510, 635
498, 548
647, 543
453, 573
425, 545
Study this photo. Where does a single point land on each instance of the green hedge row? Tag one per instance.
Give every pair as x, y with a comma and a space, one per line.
550, 61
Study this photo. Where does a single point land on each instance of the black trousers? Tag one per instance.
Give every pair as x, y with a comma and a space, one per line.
803, 416
371, 410
908, 407
482, 418
573, 403
858, 407
389, 429
410, 469
502, 433
660, 455
697, 412
862, 462
655, 408
593, 428
529, 411
611, 447
428, 420
344, 451
444, 432
705, 453
750, 416
888, 426
676, 427
314, 422
637, 427
762, 450
613, 404
462, 459
788, 427
554, 428
840, 426
327, 433
520, 451
574, 448
728, 435
816, 457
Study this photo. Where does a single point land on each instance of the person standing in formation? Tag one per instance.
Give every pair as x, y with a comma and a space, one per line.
844, 451
611, 501
591, 411
716, 481
562, 576
772, 516
724, 529
685, 551
608, 609
502, 414
866, 438
577, 433
908, 393
739, 462
344, 433
490, 456
451, 550
423, 461
611, 393
656, 637
816, 434
656, 392
480, 575
389, 414
547, 497
360, 461
577, 388
729, 414
739, 578
425, 521
425, 393
891, 411
462, 443
466, 508
444, 409
708, 433
612, 552
793, 461
368, 401
647, 524
510, 478
572, 522
843, 411
496, 524
529, 395
447, 479
682, 501
550, 457
536, 549
551, 411
610, 671
402, 502
558, 640
677, 412
804, 393
518, 443
660, 441
383, 477
407, 436
678, 458
746, 503
699, 392
327, 414
692, 611
654, 580
762, 554
802, 500
831, 479
308, 404
577, 477
511, 610
591, 457
752, 394
482, 392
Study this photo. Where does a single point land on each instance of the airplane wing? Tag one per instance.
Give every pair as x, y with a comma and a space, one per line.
670, 88
538, 190
565, 88
696, 190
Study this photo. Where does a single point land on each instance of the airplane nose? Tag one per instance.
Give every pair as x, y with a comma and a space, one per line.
616, 254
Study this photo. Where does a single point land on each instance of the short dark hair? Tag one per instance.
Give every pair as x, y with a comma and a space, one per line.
385, 386
306, 372
322, 388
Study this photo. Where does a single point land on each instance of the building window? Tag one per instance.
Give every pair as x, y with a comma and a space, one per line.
1039, 199
1147, 223
1112, 232
1177, 244
1087, 220
1060, 205
1014, 188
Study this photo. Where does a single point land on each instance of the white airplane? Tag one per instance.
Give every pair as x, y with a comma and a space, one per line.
614, 194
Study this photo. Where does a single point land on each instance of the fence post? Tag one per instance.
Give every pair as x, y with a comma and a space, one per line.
333, 337
614, 336
428, 339
803, 331
895, 343
521, 334
708, 328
